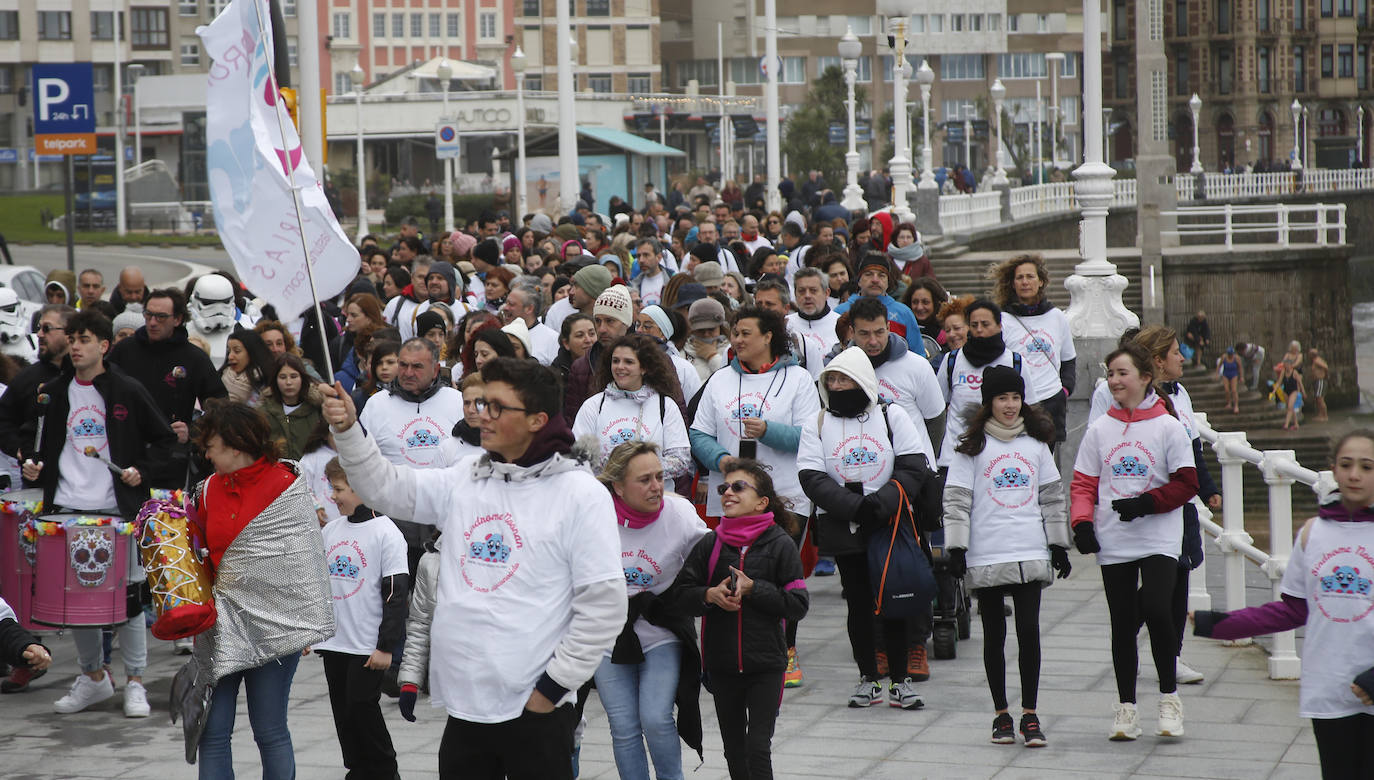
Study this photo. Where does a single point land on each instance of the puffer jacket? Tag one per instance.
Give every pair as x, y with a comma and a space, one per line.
415, 662
752, 639
292, 430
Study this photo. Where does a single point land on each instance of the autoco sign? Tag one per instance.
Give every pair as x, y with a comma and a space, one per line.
497, 117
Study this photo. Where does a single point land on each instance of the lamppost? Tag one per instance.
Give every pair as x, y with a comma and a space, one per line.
445, 74
968, 137
898, 12
357, 74
566, 52
1195, 105
849, 57
999, 93
1306, 139
1296, 109
1359, 133
518, 63
1055, 60
925, 77
136, 75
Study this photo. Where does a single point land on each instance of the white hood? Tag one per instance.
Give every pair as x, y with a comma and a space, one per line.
853, 363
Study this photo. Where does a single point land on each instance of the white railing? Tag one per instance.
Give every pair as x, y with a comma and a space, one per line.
1124, 190
1280, 470
1042, 199
964, 212
1342, 180
1281, 220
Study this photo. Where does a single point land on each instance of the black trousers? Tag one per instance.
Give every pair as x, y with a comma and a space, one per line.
857, 591
1155, 576
533, 746
747, 710
354, 693
1178, 606
1026, 599
1345, 745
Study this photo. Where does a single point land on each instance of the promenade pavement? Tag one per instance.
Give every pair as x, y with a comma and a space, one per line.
1239, 723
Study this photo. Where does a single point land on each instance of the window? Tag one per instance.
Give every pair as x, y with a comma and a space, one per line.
452, 28
534, 83
1180, 17
1327, 9
417, 25
1262, 15
1224, 17
639, 83
288, 8
865, 71
1181, 72
1121, 79
937, 23
190, 53
918, 24
486, 26
1345, 61
793, 70
962, 67
914, 60
598, 7
6, 80
599, 82
214, 7
54, 25
1299, 14
291, 54
343, 25
188, 7
1013, 23
1042, 23
148, 28
1299, 69
994, 22
1328, 61
1362, 18
343, 83
9, 25
825, 63
1068, 110
1362, 67
1262, 69
102, 26
956, 22
1226, 71
1121, 27
102, 77
379, 25
746, 70
531, 8
1022, 65
435, 25
704, 71
1069, 67
861, 25
958, 110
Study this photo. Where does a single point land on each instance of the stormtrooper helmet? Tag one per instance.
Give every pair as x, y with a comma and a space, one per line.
12, 326
212, 303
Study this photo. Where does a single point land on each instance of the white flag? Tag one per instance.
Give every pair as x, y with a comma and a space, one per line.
247, 162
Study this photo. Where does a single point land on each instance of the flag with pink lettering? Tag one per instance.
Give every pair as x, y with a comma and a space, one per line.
253, 159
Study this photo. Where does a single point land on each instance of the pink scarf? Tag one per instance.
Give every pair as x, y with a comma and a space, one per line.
631, 518
738, 532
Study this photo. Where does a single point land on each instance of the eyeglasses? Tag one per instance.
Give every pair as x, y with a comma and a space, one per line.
46, 328
738, 486
494, 409
160, 316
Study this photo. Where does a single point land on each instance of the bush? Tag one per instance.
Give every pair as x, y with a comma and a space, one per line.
466, 208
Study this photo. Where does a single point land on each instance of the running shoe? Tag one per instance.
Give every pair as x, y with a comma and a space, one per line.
903, 694
1185, 674
19, 679
1030, 731
866, 693
84, 693
1125, 722
1170, 716
1003, 732
136, 700
916, 663
792, 678
824, 568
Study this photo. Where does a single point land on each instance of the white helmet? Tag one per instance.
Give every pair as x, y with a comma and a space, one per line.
13, 329
212, 303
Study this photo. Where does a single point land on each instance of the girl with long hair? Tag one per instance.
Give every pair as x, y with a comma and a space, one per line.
639, 385
576, 335
1039, 331
382, 366
363, 316
247, 365
292, 403
908, 253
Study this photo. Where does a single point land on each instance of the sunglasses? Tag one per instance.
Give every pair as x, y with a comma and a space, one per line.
45, 328
160, 316
738, 486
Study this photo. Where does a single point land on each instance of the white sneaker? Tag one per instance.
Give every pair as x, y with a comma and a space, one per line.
1126, 724
84, 693
136, 700
1170, 716
183, 646
903, 694
1185, 674
866, 693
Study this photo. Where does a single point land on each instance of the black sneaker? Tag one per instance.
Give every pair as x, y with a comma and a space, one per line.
1002, 731
19, 679
1030, 731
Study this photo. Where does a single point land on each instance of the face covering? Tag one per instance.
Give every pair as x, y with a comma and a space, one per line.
983, 350
848, 403
749, 236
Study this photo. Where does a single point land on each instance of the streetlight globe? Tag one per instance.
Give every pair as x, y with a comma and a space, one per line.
1195, 103
444, 72
924, 75
998, 91
850, 48
357, 73
572, 48
1296, 108
518, 60
897, 7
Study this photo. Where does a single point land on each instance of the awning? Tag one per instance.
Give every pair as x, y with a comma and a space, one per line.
462, 71
629, 142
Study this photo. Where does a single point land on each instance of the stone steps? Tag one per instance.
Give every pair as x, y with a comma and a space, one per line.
964, 273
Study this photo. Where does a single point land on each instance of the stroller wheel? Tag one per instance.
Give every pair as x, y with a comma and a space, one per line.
945, 641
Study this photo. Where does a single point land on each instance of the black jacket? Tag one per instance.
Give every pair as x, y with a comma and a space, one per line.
19, 404
134, 427
837, 506
153, 364
14, 640
750, 640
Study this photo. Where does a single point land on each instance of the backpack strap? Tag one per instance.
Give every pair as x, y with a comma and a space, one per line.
949, 369
888, 423
1016, 361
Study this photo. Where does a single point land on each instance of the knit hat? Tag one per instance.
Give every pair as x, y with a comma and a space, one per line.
488, 251
594, 279
705, 253
875, 260
131, 317
706, 313
462, 243
429, 320
567, 232
540, 223
520, 330
510, 242
689, 294
614, 302
1001, 379
709, 274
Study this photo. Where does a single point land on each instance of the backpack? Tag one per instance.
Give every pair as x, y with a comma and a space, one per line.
953, 356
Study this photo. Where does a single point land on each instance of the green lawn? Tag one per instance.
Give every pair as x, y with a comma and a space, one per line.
21, 223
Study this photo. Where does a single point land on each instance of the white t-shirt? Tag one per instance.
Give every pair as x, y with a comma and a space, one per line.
614, 421
787, 395
402, 311
1005, 525
967, 395
1129, 459
85, 483
852, 450
359, 556
652, 556
312, 469
1334, 575
651, 288
908, 381
560, 310
1183, 405
410, 434
543, 343
819, 337
1046, 341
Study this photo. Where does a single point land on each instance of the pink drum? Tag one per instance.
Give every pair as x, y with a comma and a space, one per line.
82, 570
16, 551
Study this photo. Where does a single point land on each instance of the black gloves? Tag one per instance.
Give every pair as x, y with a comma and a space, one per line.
1131, 508
1085, 538
958, 562
409, 694
1365, 680
1059, 561
869, 515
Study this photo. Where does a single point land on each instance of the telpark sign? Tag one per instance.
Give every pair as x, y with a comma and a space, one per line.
64, 108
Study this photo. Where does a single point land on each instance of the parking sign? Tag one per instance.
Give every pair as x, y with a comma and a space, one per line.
447, 145
64, 108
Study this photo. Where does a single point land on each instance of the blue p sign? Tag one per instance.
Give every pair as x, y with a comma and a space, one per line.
63, 108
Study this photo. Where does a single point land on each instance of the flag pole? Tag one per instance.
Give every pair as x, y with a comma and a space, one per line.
296, 198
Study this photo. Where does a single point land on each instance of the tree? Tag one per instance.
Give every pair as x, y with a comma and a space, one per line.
806, 139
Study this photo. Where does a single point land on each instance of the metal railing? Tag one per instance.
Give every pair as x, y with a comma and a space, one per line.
1042, 199
964, 212
1280, 469
1280, 220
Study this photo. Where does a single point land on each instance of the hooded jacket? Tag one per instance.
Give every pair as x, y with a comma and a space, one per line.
292, 429
423, 597
64, 279
900, 321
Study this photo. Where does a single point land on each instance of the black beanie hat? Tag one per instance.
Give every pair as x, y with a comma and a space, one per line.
488, 251
1001, 379
429, 320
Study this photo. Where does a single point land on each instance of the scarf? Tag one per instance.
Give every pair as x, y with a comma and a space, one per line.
239, 386
613, 392
394, 387
981, 351
906, 254
848, 403
467, 433
1004, 432
633, 518
1029, 310
742, 531
825, 309
1338, 512
931, 327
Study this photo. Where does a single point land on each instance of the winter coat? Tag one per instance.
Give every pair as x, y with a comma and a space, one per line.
18, 406
293, 430
415, 661
154, 364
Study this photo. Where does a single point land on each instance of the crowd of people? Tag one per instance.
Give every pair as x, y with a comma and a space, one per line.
519, 462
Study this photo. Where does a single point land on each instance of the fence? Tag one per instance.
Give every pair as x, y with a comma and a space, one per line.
1280, 469
965, 212
1280, 220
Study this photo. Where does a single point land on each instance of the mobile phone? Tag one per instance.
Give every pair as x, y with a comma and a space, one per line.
748, 448
734, 580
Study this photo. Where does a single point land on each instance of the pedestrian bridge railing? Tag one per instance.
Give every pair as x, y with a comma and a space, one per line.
1286, 223
1280, 470
959, 213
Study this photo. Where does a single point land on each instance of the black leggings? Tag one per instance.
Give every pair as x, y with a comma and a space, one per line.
1345, 745
1178, 606
1026, 598
747, 711
857, 591
1156, 576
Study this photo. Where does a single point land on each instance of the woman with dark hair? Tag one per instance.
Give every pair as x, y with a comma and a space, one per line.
363, 316
247, 365
486, 343
907, 252
1007, 535
766, 260
382, 365
839, 273
1039, 331
636, 403
266, 557
396, 279
924, 296
292, 403
575, 337
497, 287
744, 600
860, 239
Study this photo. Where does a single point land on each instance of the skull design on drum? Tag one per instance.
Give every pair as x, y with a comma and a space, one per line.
92, 552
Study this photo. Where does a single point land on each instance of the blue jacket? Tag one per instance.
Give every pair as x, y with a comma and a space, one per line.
900, 321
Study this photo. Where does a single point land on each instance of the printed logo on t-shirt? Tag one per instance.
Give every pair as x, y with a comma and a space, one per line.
86, 428
752, 404
887, 393
1345, 588
973, 380
1037, 346
346, 562
1010, 477
641, 570
491, 552
420, 439
859, 457
620, 430
1129, 468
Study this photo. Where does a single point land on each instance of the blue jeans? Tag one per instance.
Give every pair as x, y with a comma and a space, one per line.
638, 699
269, 687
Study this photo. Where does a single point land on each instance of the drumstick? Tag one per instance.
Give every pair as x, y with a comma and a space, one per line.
43, 400
92, 452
